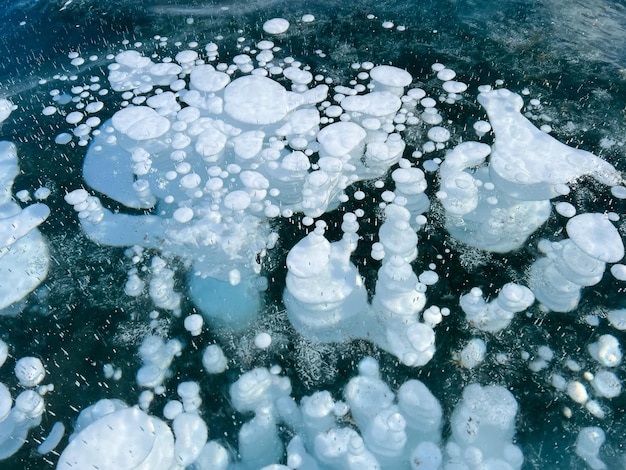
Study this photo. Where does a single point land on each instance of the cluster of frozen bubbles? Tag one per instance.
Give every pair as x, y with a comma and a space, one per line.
212, 151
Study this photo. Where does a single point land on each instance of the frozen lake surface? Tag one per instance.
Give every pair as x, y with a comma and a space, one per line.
312, 234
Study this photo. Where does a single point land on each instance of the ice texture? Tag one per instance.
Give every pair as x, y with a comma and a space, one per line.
208, 158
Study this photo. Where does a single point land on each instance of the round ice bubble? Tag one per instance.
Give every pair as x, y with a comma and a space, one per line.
426, 456
6, 107
455, 87
256, 100
473, 353
438, 134
4, 352
262, 340
577, 391
391, 79
588, 444
565, 209
193, 324
172, 409
596, 236
276, 26
483, 424
205, 78
214, 456
619, 272
481, 127
191, 434
606, 384
256, 388
213, 359
140, 123
606, 351
29, 371
617, 318
189, 393
259, 443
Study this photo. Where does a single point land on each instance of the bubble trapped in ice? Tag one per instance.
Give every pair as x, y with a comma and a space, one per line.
277, 233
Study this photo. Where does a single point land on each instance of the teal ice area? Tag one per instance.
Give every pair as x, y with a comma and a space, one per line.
312, 235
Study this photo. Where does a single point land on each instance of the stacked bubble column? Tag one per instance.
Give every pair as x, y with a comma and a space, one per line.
325, 297
579, 261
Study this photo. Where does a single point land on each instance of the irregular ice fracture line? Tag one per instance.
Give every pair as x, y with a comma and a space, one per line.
24, 255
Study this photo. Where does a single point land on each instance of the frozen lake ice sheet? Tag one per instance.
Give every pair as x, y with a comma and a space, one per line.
536, 45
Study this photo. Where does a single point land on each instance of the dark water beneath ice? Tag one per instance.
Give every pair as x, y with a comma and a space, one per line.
568, 53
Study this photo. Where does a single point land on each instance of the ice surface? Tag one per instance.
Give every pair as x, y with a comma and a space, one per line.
222, 168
